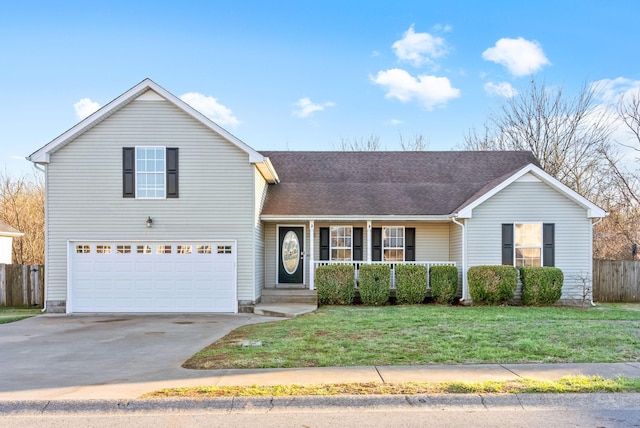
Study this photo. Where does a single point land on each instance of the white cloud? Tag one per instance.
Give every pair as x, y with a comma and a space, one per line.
211, 108
419, 48
428, 90
610, 90
395, 122
520, 56
375, 54
306, 108
85, 107
503, 89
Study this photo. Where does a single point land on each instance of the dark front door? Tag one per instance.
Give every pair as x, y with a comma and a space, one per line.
290, 266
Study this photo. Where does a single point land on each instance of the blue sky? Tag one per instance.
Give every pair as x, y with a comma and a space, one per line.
304, 75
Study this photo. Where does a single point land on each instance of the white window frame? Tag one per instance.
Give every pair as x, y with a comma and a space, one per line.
385, 247
163, 172
336, 247
516, 247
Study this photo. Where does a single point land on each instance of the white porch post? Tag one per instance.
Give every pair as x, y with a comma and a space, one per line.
311, 257
368, 241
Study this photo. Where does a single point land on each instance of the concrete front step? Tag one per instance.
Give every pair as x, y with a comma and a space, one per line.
281, 295
284, 310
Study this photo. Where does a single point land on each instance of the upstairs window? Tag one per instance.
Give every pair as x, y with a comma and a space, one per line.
150, 172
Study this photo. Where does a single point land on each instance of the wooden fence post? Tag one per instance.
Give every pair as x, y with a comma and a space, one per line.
3, 285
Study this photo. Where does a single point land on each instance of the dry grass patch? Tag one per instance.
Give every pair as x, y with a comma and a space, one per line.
569, 384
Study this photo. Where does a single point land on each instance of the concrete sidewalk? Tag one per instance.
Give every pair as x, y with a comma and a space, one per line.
325, 375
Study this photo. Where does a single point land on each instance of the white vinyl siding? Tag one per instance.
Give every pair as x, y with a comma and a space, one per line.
533, 202
216, 190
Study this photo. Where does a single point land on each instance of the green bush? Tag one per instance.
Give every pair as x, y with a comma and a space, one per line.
444, 283
374, 284
492, 285
541, 285
335, 284
411, 284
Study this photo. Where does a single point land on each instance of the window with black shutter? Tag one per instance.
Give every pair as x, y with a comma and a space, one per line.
149, 172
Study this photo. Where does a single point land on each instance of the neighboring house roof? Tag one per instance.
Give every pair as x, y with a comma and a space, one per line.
428, 183
6, 230
42, 155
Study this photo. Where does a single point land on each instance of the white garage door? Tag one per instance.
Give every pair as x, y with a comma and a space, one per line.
152, 277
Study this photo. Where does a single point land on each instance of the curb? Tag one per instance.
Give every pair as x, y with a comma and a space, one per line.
428, 402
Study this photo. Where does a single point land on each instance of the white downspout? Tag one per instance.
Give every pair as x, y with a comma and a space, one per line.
465, 287
591, 260
46, 290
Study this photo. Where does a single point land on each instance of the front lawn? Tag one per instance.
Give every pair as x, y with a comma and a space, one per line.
416, 335
11, 314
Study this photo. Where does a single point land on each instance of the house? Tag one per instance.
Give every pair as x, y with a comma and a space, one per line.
7, 233
152, 207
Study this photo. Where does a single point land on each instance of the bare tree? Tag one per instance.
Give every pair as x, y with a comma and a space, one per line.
22, 207
620, 232
419, 143
566, 134
371, 144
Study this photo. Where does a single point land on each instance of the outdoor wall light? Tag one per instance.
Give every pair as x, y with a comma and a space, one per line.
149, 221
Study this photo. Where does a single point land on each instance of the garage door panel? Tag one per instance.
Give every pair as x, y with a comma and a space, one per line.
144, 266
193, 278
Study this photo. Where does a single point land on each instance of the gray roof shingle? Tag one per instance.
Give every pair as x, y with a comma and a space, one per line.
385, 183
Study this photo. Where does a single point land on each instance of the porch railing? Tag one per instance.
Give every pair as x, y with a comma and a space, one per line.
357, 264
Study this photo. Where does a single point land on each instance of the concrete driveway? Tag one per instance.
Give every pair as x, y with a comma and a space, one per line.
105, 356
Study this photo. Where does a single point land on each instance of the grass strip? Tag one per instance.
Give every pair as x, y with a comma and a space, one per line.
568, 384
11, 314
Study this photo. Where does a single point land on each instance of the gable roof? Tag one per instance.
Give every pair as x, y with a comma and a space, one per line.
6, 230
424, 184
465, 210
42, 155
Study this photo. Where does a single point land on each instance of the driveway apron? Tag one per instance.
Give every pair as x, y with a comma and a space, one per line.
54, 356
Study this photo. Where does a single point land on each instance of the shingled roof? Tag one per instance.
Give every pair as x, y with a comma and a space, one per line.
385, 183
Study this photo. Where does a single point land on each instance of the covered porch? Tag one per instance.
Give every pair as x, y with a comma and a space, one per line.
294, 249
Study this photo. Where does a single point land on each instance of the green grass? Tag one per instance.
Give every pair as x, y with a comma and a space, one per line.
428, 334
11, 314
569, 384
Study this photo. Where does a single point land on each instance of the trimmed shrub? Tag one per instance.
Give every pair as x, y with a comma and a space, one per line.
444, 283
335, 284
374, 284
411, 284
492, 285
541, 285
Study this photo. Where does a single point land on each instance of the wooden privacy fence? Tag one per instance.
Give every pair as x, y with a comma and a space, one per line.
616, 281
21, 285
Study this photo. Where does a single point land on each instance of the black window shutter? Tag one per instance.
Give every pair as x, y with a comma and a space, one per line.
376, 244
324, 243
548, 238
128, 172
507, 244
357, 243
172, 172
410, 244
